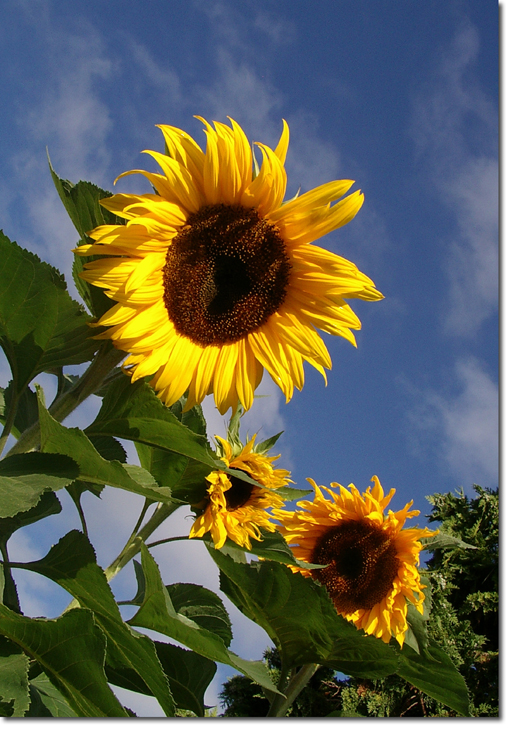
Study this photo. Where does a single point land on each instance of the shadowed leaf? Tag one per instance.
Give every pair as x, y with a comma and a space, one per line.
157, 613
72, 564
24, 478
41, 327
71, 651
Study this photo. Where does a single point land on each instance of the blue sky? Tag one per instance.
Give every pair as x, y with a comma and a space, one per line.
403, 98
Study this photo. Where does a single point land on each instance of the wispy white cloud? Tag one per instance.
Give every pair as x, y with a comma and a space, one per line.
465, 424
455, 127
64, 112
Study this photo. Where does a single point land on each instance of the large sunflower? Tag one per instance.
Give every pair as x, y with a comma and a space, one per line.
371, 562
214, 276
234, 508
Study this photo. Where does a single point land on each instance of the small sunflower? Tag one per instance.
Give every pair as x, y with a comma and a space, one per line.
371, 562
236, 509
214, 276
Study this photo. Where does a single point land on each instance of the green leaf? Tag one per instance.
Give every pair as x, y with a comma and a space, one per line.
6, 707
271, 547
417, 636
132, 411
434, 673
157, 613
71, 651
56, 438
203, 607
300, 618
26, 409
193, 418
47, 700
82, 202
14, 666
48, 505
41, 326
346, 715
130, 655
109, 448
291, 494
24, 478
188, 674
184, 476
267, 444
443, 540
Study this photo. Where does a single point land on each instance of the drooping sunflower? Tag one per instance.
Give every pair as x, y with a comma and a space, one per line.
371, 561
214, 276
236, 509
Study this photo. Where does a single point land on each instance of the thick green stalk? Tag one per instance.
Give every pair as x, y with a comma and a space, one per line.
133, 546
8, 424
280, 705
93, 378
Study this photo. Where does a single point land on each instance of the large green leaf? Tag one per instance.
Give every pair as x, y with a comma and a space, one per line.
434, 673
56, 438
273, 547
14, 666
71, 651
157, 613
132, 411
82, 202
417, 635
72, 564
47, 700
47, 505
184, 476
41, 326
300, 618
24, 478
203, 607
443, 540
188, 674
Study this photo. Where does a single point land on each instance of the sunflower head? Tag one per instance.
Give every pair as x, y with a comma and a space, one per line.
215, 278
370, 561
234, 508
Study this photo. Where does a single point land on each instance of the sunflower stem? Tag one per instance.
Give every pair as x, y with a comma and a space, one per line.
133, 545
280, 705
170, 540
9, 423
93, 378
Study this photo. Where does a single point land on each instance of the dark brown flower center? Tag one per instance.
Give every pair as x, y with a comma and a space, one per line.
226, 273
361, 564
238, 494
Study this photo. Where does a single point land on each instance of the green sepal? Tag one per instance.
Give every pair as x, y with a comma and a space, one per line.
264, 446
